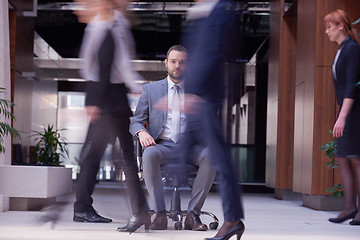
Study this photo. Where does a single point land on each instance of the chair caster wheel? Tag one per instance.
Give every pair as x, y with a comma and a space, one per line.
178, 226
213, 225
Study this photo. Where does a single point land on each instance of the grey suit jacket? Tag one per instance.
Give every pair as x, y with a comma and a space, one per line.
145, 113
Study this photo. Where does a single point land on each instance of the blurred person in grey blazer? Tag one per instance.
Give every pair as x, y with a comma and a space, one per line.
106, 50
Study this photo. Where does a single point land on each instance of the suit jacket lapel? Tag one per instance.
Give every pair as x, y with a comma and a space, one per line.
164, 91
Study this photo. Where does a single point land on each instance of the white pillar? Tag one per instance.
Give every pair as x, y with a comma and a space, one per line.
5, 159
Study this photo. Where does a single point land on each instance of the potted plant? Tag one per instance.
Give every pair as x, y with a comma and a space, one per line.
5, 128
37, 186
49, 147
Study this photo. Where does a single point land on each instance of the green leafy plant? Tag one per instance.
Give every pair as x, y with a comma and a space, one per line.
356, 22
5, 128
49, 147
336, 190
330, 148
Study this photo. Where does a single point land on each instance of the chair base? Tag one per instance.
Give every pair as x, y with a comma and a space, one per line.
178, 216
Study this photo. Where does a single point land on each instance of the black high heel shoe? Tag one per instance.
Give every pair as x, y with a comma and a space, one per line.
135, 222
354, 223
340, 220
238, 230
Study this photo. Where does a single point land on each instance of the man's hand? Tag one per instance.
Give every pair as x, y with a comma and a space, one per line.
146, 139
93, 113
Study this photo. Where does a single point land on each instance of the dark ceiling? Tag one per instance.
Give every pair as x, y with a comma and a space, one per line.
154, 32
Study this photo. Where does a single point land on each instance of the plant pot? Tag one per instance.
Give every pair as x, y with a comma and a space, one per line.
34, 182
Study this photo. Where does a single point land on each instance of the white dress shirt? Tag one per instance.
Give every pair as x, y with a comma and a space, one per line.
333, 67
171, 90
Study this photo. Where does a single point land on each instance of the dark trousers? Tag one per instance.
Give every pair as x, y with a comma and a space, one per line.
104, 131
205, 128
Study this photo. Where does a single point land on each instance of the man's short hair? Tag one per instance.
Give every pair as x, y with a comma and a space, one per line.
179, 48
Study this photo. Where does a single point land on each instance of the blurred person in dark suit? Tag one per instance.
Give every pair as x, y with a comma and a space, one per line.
159, 133
106, 50
209, 39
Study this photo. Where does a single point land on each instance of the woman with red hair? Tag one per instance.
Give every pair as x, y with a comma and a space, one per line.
346, 72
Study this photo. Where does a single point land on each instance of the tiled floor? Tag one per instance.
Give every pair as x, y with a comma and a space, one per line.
266, 219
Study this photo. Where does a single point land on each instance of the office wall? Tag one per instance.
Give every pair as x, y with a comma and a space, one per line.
23, 5
281, 97
272, 104
23, 109
247, 118
35, 101
44, 104
304, 91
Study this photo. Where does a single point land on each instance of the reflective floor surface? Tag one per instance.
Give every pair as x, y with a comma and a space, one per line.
266, 219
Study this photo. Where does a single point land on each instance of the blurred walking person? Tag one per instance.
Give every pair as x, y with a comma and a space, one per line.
208, 40
106, 51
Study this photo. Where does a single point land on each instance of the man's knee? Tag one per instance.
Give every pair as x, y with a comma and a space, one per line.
151, 157
150, 153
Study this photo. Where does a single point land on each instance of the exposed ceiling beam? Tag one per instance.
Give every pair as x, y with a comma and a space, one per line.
68, 68
171, 7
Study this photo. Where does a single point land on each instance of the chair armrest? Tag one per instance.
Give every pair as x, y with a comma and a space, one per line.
138, 153
138, 147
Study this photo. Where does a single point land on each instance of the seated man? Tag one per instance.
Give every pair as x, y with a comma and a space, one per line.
160, 137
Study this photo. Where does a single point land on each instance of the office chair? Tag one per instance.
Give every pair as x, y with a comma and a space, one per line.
169, 173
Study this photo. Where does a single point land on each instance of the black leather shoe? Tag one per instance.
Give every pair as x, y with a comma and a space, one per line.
135, 222
193, 222
340, 220
160, 222
90, 217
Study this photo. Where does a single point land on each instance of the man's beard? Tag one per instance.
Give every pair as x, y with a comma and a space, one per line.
179, 77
